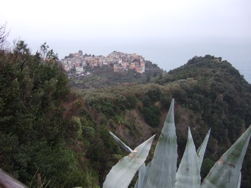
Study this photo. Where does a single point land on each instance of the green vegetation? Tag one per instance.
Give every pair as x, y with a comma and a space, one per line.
33, 129
55, 134
161, 171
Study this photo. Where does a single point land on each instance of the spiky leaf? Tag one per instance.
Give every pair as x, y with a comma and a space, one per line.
188, 174
163, 166
143, 175
122, 173
202, 149
225, 172
122, 144
239, 182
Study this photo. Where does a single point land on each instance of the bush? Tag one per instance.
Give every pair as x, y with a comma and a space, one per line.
152, 115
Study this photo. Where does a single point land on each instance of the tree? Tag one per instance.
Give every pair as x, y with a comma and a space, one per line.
32, 91
3, 35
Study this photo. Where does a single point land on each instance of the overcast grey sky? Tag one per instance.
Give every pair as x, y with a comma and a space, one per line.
62, 23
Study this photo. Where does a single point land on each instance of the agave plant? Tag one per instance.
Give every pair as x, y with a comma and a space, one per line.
162, 171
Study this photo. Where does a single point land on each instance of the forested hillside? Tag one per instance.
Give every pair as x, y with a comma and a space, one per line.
52, 135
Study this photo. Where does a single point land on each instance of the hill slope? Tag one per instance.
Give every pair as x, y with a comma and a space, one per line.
55, 137
208, 93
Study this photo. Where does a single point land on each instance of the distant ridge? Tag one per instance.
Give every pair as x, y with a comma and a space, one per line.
88, 71
119, 61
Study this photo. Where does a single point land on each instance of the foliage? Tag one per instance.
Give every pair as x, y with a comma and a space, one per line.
31, 115
152, 115
210, 96
37, 111
161, 171
206, 101
100, 152
218, 95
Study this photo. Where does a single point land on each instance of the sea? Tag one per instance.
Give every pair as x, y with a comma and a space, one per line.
170, 55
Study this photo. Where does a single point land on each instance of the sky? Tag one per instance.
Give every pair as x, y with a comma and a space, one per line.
95, 25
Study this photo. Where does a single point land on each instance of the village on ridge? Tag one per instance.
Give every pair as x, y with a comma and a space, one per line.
119, 61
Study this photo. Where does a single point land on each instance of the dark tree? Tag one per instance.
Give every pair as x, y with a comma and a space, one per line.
3, 35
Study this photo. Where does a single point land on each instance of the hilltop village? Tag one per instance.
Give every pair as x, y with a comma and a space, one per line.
120, 62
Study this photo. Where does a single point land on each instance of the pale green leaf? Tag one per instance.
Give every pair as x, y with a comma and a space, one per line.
122, 144
163, 166
122, 173
225, 172
202, 149
188, 174
143, 175
239, 182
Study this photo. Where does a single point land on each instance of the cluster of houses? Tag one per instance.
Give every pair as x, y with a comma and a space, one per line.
119, 61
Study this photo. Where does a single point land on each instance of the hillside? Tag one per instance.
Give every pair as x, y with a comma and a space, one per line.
103, 77
57, 135
209, 93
